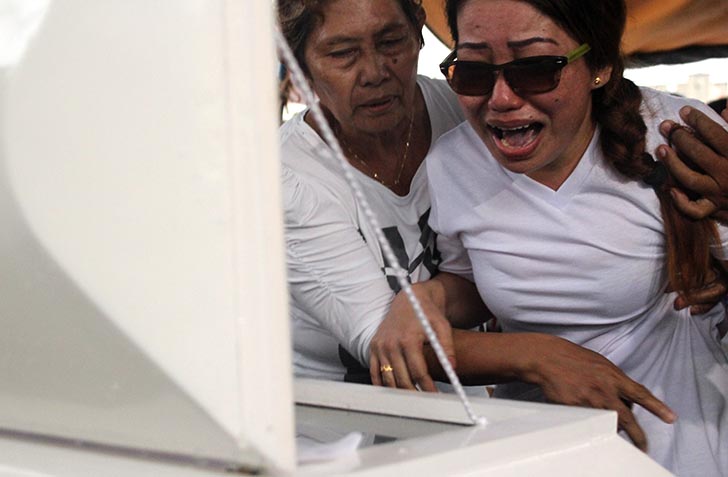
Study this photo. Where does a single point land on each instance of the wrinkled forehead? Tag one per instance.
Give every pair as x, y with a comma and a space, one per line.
357, 17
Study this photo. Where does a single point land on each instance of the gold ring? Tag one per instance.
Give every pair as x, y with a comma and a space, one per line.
385, 368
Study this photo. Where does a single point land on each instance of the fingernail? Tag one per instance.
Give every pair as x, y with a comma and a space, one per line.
684, 111
662, 152
666, 126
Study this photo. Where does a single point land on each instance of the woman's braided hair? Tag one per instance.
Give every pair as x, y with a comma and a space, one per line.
616, 108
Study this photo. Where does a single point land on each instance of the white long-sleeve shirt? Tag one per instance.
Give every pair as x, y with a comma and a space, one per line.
340, 287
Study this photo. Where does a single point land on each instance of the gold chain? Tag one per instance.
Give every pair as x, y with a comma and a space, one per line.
402, 161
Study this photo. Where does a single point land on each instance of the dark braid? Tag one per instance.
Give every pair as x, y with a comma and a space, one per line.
616, 108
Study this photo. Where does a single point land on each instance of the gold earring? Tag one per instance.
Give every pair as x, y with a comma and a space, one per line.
597, 81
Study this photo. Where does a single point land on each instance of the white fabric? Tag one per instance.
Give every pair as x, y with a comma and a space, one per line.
338, 291
587, 263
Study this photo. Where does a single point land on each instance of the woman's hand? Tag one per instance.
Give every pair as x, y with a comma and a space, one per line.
396, 352
396, 356
572, 375
706, 148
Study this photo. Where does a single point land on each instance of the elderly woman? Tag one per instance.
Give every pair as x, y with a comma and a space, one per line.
361, 59
564, 220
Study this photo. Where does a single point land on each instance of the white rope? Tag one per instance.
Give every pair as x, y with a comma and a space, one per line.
299, 81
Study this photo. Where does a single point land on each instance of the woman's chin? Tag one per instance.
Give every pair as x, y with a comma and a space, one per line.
518, 159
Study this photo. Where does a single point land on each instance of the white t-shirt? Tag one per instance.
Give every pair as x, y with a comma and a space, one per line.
587, 262
340, 288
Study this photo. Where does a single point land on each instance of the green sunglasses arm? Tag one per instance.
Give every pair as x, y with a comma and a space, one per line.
582, 50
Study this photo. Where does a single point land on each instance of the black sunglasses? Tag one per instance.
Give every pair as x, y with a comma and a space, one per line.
535, 74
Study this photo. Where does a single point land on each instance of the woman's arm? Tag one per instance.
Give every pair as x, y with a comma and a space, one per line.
333, 275
566, 373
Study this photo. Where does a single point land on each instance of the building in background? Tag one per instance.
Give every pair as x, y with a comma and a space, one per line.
698, 86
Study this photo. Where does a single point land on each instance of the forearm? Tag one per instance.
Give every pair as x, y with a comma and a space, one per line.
488, 358
457, 298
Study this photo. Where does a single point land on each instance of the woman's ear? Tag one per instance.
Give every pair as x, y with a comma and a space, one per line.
602, 77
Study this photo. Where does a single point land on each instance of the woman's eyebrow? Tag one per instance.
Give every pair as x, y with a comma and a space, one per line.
344, 39
392, 27
339, 40
470, 45
515, 44
530, 41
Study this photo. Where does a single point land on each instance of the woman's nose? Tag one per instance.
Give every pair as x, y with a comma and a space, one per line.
375, 68
503, 97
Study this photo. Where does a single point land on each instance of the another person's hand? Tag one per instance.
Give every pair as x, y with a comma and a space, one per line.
703, 300
572, 375
396, 350
699, 162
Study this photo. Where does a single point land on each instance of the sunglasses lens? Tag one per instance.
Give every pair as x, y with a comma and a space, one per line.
528, 75
471, 79
534, 77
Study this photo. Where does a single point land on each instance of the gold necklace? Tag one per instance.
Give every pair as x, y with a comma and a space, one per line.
372, 173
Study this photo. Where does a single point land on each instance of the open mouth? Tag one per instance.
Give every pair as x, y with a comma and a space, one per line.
518, 137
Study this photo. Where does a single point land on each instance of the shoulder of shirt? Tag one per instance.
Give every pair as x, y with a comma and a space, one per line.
453, 138
661, 105
304, 164
290, 131
438, 92
442, 104
301, 149
451, 148
432, 84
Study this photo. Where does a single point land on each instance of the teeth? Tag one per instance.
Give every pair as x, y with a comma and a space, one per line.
516, 128
500, 131
516, 137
